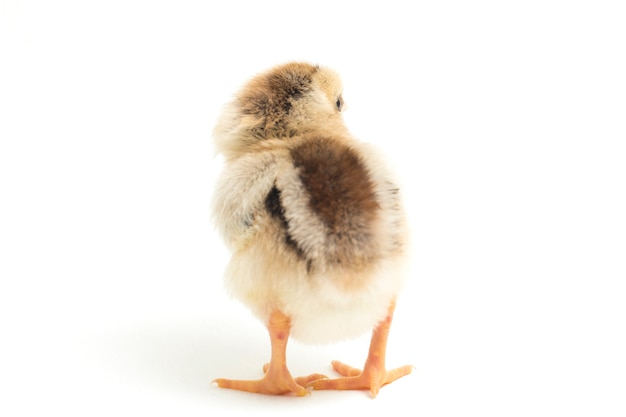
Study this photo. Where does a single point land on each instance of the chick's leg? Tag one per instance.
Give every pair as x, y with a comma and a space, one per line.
277, 379
374, 374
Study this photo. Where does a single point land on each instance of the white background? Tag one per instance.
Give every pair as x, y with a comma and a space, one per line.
504, 120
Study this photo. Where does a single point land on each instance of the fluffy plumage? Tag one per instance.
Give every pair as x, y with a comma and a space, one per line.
312, 216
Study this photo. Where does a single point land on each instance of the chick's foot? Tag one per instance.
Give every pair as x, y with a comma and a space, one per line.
277, 379
372, 378
374, 374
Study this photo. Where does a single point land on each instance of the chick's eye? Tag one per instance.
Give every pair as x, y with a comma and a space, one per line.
339, 103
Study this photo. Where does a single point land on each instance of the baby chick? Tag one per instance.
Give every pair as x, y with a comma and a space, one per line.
314, 222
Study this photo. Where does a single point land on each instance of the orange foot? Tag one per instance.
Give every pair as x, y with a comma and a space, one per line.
276, 381
374, 374
372, 378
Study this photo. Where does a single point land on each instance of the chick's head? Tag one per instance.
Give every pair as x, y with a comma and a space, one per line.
284, 102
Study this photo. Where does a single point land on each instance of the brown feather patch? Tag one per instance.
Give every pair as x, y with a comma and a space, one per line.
342, 195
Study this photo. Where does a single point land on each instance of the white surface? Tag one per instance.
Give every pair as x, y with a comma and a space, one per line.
507, 124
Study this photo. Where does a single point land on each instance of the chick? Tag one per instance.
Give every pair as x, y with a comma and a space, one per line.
315, 224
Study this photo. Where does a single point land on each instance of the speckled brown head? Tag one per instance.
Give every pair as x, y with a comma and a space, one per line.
284, 102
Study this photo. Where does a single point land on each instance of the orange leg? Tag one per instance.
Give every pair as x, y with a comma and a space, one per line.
374, 374
277, 379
